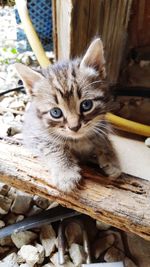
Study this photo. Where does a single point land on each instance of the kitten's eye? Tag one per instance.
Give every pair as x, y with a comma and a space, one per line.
56, 113
86, 105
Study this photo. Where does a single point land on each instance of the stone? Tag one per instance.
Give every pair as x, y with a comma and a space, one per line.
8, 118
147, 141
139, 249
27, 60
118, 239
54, 260
7, 264
19, 218
10, 260
5, 204
102, 226
19, 118
17, 104
18, 137
20, 260
2, 224
129, 263
52, 205
49, 265
23, 238
15, 129
4, 188
48, 239
41, 202
21, 204
102, 244
10, 218
3, 250
25, 265
3, 127
12, 193
77, 254
41, 253
6, 102
114, 254
29, 254
34, 210
74, 233
104, 264
6, 241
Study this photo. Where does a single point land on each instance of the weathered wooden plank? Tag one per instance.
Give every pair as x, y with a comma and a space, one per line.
61, 27
77, 22
123, 203
73, 27
139, 33
114, 34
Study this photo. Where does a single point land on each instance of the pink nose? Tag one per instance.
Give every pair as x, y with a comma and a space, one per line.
75, 128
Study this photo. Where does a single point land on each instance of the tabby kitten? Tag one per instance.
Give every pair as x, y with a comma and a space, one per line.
66, 119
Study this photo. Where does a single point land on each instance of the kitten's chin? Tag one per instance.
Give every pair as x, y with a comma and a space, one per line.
74, 136
70, 135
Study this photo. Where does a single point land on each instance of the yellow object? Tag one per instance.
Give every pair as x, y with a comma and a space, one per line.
121, 123
31, 33
128, 126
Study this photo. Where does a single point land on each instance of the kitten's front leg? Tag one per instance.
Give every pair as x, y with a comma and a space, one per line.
63, 167
107, 159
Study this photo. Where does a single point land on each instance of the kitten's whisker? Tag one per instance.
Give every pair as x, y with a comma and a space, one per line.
99, 133
100, 130
106, 126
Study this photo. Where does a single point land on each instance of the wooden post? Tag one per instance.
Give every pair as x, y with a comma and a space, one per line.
77, 22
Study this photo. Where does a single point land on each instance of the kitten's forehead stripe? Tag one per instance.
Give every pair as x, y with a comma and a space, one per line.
78, 93
73, 73
59, 91
64, 80
56, 99
69, 84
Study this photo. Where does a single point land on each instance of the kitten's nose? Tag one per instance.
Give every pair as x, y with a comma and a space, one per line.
75, 128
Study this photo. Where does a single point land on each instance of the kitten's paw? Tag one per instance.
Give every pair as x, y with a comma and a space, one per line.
112, 170
110, 164
67, 180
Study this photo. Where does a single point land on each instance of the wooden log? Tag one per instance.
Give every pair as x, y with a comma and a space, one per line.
123, 203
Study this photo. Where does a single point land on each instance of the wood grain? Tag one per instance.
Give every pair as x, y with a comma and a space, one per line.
123, 203
76, 23
139, 34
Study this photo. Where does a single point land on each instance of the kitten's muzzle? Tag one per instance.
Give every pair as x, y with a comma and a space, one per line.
75, 128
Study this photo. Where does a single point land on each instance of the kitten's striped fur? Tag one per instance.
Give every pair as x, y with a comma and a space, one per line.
76, 135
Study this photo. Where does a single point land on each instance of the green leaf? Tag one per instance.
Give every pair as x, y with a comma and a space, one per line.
5, 49
14, 51
18, 60
6, 61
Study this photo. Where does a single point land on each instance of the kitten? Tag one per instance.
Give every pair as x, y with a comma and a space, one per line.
66, 119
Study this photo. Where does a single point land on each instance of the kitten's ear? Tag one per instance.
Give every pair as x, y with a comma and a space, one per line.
94, 57
28, 76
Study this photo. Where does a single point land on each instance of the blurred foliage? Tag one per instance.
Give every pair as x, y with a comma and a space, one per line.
9, 54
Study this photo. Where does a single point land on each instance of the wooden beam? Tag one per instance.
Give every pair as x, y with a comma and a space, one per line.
123, 203
77, 22
61, 28
114, 34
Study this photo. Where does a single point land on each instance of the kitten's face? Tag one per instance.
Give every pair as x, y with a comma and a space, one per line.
70, 98
72, 101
